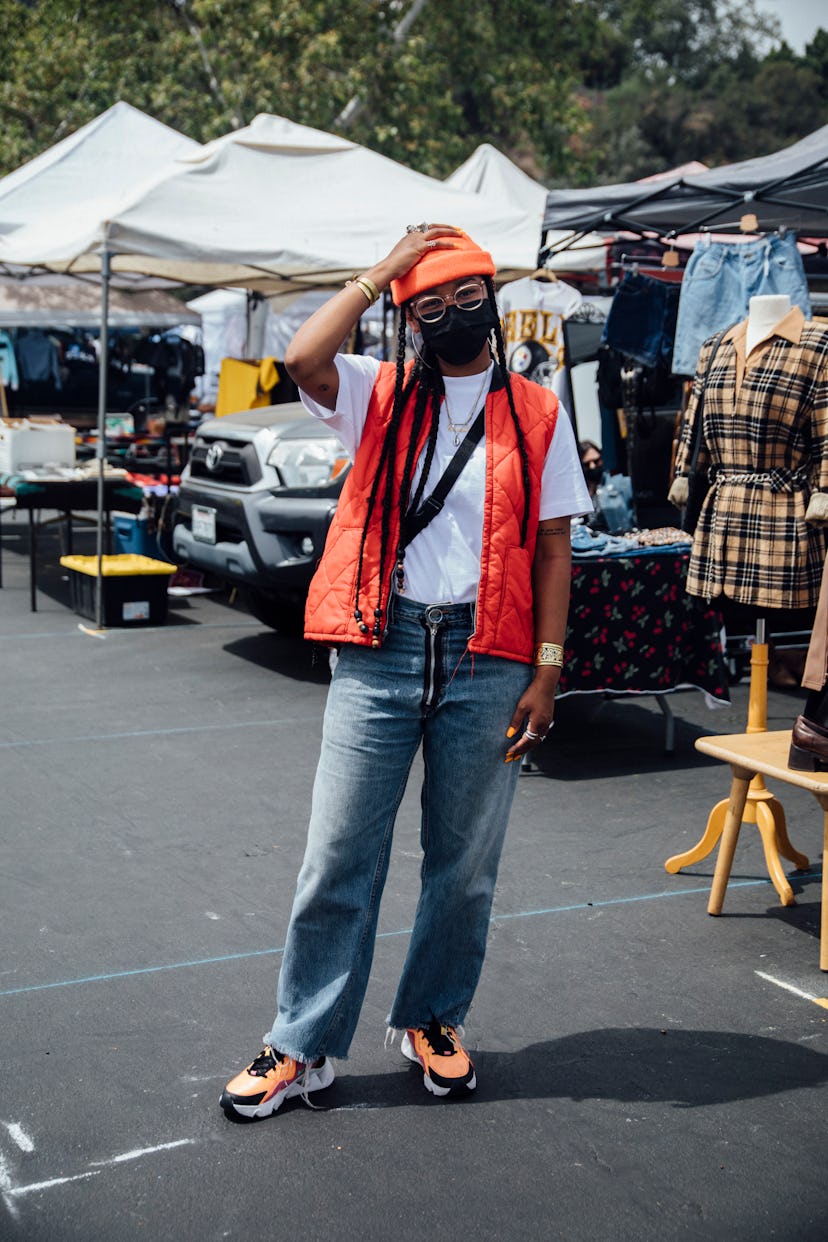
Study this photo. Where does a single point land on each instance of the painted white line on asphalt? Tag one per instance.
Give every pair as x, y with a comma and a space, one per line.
789, 987
10, 1192
141, 1151
7, 1189
54, 1181
19, 1136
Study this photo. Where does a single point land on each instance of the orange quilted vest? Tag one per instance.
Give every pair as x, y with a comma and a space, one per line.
505, 622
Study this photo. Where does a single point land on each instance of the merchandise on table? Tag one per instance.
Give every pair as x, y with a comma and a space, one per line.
28, 444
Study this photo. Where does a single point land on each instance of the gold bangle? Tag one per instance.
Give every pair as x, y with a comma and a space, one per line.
367, 286
366, 280
549, 654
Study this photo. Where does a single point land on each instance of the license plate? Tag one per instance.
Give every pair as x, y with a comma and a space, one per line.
204, 523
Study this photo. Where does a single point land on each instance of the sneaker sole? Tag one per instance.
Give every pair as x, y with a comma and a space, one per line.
319, 1078
407, 1049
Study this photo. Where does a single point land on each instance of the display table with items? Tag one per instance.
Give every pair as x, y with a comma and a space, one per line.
66, 492
633, 629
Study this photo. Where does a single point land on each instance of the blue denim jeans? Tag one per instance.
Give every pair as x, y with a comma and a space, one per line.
719, 281
382, 705
641, 323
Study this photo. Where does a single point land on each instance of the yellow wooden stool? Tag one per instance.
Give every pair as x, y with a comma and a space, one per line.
766, 754
761, 807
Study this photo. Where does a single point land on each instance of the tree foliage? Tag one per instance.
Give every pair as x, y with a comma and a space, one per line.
573, 90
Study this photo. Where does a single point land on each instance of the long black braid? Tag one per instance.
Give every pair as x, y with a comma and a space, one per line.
524, 457
427, 378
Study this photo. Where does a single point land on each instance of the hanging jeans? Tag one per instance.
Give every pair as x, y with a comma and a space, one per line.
382, 705
641, 323
719, 281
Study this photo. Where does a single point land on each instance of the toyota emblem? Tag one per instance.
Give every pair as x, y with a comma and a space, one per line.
213, 459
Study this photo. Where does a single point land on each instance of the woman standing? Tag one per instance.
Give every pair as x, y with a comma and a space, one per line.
449, 620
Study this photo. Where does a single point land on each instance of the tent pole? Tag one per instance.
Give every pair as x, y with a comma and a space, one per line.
100, 451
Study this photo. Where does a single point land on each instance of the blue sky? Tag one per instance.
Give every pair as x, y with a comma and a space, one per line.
799, 19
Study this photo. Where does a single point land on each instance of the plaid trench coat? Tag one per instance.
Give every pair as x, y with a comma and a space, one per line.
765, 447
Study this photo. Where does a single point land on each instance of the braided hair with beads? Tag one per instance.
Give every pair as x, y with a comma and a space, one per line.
426, 378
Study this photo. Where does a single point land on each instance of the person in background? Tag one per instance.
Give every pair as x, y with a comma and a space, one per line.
449, 621
592, 464
611, 495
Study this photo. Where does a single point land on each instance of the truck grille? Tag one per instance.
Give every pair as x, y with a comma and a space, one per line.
229, 461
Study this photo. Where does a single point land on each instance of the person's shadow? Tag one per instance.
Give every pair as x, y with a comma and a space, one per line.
681, 1068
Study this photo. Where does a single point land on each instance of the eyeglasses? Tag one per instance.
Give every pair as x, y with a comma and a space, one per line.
432, 307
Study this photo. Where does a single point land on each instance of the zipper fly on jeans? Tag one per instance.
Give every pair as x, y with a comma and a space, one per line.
433, 620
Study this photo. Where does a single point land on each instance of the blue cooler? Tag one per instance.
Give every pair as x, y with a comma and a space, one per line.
133, 535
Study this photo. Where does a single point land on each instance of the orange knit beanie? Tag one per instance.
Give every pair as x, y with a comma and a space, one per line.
437, 266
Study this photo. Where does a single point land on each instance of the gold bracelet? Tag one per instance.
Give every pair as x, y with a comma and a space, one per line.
549, 654
367, 286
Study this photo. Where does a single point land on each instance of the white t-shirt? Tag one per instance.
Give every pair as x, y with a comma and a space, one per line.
533, 312
442, 563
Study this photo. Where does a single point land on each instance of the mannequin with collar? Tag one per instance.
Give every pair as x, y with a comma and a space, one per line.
765, 313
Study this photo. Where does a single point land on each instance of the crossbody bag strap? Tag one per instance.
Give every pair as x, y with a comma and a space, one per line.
697, 430
413, 523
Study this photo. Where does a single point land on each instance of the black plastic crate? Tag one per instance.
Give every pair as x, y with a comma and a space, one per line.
133, 588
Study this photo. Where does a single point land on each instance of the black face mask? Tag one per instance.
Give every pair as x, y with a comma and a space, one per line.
459, 336
594, 474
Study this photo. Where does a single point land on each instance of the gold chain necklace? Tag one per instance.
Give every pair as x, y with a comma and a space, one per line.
458, 428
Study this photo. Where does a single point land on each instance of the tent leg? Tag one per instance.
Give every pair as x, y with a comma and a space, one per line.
103, 375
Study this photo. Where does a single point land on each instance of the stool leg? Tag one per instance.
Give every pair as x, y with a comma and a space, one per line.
823, 936
730, 835
707, 844
822, 799
769, 820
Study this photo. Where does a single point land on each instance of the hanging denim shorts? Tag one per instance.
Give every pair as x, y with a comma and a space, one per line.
719, 281
642, 319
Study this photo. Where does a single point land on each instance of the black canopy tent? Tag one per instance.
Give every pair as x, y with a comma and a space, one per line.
785, 190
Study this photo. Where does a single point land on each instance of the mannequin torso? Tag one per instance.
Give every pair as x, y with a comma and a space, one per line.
764, 313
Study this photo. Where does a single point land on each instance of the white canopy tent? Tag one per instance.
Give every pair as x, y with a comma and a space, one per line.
95, 170
103, 161
491, 174
272, 206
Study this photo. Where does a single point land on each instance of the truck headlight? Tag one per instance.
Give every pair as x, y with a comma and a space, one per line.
312, 462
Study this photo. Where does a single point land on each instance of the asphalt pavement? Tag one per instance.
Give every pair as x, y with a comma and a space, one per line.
645, 1071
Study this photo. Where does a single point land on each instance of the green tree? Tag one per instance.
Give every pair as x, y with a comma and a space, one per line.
574, 90
701, 81
461, 75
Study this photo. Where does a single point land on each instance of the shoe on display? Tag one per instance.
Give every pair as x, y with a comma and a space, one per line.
809, 746
447, 1067
270, 1080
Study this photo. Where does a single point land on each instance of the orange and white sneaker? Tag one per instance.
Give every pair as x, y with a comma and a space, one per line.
447, 1067
270, 1080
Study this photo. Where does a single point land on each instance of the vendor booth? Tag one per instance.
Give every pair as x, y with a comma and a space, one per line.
676, 242
720, 279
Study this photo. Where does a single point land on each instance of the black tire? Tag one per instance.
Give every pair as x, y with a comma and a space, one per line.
285, 618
